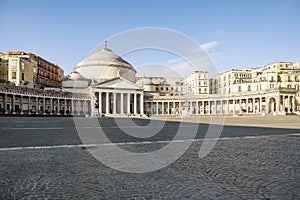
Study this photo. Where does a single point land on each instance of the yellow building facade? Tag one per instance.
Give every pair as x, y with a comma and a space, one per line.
19, 70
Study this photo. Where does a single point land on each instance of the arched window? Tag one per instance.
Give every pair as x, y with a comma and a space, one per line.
297, 87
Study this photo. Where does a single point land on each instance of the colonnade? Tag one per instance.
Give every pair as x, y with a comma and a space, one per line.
123, 103
260, 104
132, 102
24, 103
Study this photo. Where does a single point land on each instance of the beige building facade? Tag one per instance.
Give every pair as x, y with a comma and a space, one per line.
105, 85
19, 70
30, 70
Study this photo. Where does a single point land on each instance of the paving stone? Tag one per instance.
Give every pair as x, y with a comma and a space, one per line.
240, 168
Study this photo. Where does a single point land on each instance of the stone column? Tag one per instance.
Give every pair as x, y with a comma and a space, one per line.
151, 108
200, 105
168, 112
240, 106
179, 107
107, 103
84, 107
221, 102
72, 106
197, 108
36, 105
21, 104
29, 106
260, 104
122, 103
162, 108
267, 105
5, 103
247, 105
80, 107
227, 101
75, 107
282, 103
293, 104
233, 101
13, 104
51, 106
277, 104
253, 105
289, 104
134, 104
44, 106
65, 107
128, 103
142, 104
174, 108
58, 107
100, 103
114, 103
156, 108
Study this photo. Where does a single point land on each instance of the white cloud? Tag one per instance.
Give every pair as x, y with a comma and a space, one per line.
209, 45
198, 59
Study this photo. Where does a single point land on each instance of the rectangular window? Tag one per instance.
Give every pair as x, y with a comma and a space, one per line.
14, 75
14, 64
22, 76
240, 89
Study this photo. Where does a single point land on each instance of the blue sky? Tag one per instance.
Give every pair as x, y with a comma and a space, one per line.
237, 34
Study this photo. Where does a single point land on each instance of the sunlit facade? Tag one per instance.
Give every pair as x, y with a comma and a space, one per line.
105, 85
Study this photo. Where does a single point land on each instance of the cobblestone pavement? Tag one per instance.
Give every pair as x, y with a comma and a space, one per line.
263, 167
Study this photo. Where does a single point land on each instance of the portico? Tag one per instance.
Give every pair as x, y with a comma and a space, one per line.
117, 97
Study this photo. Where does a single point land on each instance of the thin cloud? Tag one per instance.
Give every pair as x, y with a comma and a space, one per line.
209, 45
179, 67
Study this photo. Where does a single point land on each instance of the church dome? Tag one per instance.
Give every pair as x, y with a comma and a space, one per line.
75, 76
104, 64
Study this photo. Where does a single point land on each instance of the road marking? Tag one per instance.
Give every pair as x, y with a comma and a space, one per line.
137, 143
21, 128
90, 127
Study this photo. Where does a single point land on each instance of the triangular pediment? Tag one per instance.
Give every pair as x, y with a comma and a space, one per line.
118, 83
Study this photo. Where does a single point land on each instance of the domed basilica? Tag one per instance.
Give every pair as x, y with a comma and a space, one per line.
110, 81
107, 86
